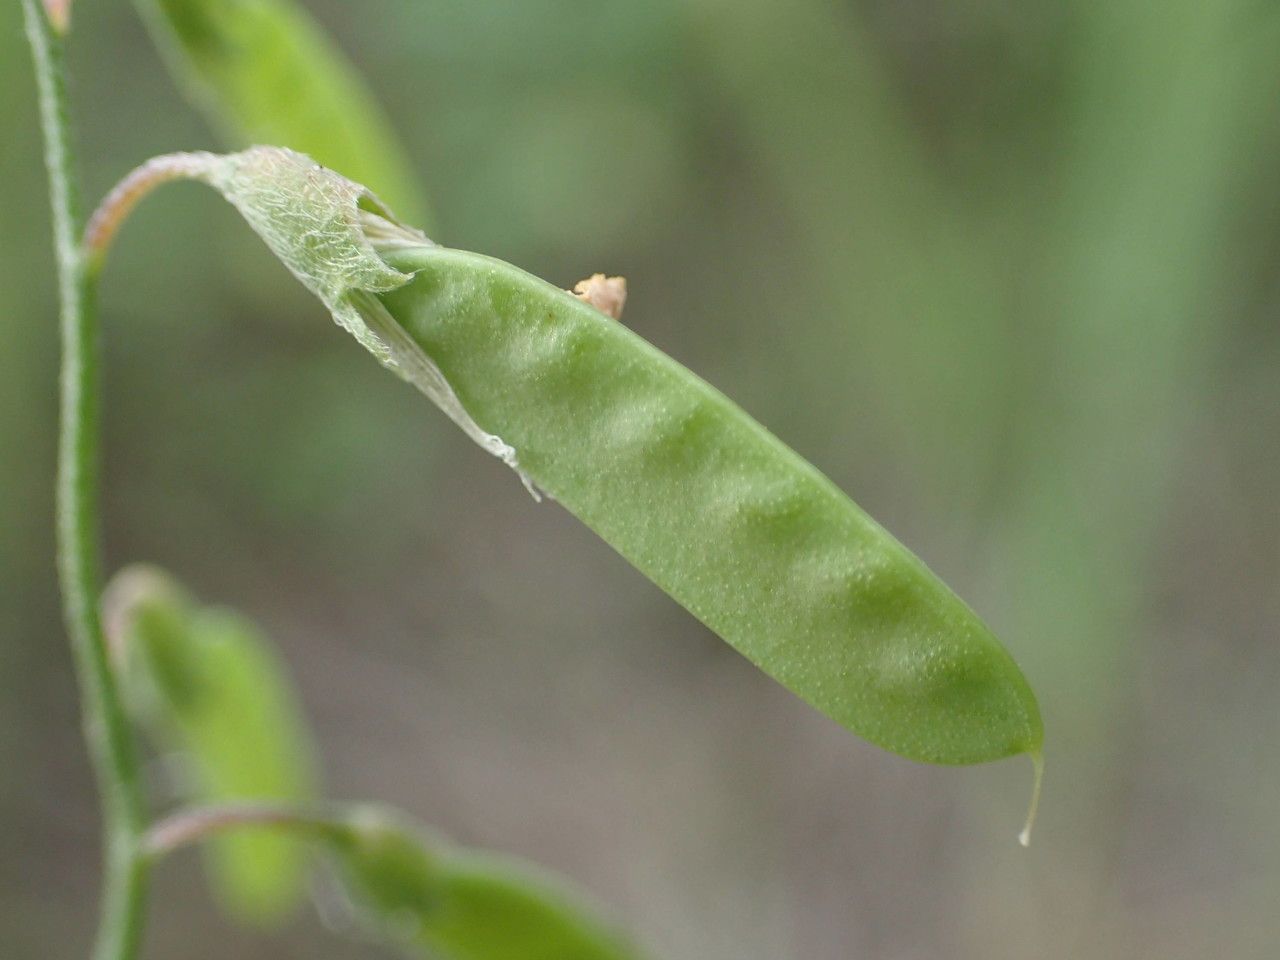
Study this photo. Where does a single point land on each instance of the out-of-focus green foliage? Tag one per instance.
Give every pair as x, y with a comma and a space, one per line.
209, 686
446, 903
267, 73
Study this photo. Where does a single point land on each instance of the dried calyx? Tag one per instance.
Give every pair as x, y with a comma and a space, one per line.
330, 232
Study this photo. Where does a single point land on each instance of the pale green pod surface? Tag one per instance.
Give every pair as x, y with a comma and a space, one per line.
750, 538
209, 687
448, 903
266, 72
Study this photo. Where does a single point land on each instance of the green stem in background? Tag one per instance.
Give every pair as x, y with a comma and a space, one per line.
107, 732
186, 827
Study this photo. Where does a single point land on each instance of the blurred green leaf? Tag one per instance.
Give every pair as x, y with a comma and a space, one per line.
440, 901
206, 683
267, 73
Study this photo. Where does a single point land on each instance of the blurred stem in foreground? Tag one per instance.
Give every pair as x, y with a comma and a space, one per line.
107, 733
195, 825
416, 890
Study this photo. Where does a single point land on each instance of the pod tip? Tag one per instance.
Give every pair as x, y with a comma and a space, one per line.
1037, 760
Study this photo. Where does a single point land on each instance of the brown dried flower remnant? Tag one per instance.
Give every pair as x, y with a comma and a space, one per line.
606, 294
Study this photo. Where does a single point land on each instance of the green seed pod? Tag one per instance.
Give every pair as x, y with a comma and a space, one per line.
724, 517
746, 535
208, 687
443, 901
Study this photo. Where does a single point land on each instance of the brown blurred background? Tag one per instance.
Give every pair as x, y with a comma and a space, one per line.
1009, 272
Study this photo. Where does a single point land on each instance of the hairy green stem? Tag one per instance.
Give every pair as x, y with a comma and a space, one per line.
107, 732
